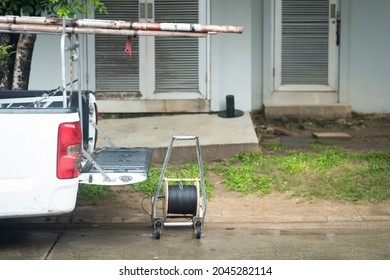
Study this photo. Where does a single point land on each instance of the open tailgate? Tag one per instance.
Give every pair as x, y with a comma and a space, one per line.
116, 166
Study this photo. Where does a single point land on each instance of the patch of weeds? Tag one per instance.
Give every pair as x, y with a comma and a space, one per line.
294, 163
246, 174
354, 177
186, 171
328, 159
272, 146
327, 173
149, 186
96, 192
351, 187
244, 180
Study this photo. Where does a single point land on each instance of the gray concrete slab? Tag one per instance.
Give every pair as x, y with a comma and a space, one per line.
21, 241
241, 242
228, 243
219, 137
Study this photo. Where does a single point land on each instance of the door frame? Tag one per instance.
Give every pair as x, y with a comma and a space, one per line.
147, 62
333, 57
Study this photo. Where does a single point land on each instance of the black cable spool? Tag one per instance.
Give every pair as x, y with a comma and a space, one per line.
182, 199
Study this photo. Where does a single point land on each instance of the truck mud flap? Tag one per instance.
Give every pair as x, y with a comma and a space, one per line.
116, 166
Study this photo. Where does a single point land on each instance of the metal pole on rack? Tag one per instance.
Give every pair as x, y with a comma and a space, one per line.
63, 37
80, 98
124, 25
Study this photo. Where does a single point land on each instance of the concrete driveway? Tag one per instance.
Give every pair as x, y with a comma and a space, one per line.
304, 241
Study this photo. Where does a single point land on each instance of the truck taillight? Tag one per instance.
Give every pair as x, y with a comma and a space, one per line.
69, 150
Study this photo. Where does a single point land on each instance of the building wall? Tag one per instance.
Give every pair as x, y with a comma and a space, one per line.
241, 65
46, 63
257, 55
231, 55
46, 69
368, 54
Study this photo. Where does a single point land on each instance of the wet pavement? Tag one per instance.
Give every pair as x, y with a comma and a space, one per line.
135, 242
277, 231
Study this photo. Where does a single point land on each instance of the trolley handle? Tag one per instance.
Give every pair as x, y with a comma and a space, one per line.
184, 137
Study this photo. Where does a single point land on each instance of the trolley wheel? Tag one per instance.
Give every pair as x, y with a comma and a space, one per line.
198, 230
157, 230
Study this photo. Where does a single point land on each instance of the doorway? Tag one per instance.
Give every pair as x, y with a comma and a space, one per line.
306, 50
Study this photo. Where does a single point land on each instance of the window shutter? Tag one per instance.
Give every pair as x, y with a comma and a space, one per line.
177, 59
305, 42
115, 70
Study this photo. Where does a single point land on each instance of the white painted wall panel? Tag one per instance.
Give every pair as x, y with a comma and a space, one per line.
231, 55
368, 55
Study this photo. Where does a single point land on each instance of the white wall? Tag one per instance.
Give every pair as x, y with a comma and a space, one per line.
368, 53
257, 55
46, 71
46, 63
231, 55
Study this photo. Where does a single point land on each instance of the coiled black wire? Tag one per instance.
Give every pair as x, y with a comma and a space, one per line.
182, 199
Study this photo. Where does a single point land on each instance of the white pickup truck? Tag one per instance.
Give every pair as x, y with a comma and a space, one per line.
46, 151
47, 140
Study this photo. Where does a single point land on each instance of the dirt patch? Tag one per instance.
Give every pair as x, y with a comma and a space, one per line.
366, 131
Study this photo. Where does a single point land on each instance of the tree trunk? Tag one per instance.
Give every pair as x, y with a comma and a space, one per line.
6, 70
22, 67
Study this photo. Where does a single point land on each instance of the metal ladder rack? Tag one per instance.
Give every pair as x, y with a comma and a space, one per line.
109, 165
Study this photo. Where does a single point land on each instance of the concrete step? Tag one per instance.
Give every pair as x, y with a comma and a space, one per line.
332, 135
331, 111
219, 137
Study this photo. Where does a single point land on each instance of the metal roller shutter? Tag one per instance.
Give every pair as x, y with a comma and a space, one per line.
115, 70
177, 59
305, 42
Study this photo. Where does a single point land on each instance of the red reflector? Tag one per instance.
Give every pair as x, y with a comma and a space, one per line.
69, 150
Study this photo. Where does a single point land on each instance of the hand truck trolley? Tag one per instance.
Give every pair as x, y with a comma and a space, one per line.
183, 200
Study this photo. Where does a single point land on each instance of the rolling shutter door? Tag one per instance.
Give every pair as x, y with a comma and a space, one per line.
305, 42
177, 59
115, 70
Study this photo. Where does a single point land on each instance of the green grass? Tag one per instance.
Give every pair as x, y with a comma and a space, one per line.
96, 192
324, 172
244, 173
185, 171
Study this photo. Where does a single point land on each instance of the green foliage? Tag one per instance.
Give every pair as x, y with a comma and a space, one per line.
243, 173
272, 146
71, 7
149, 186
10, 7
294, 163
326, 173
329, 158
96, 192
186, 171
51, 7
26, 7
5, 54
